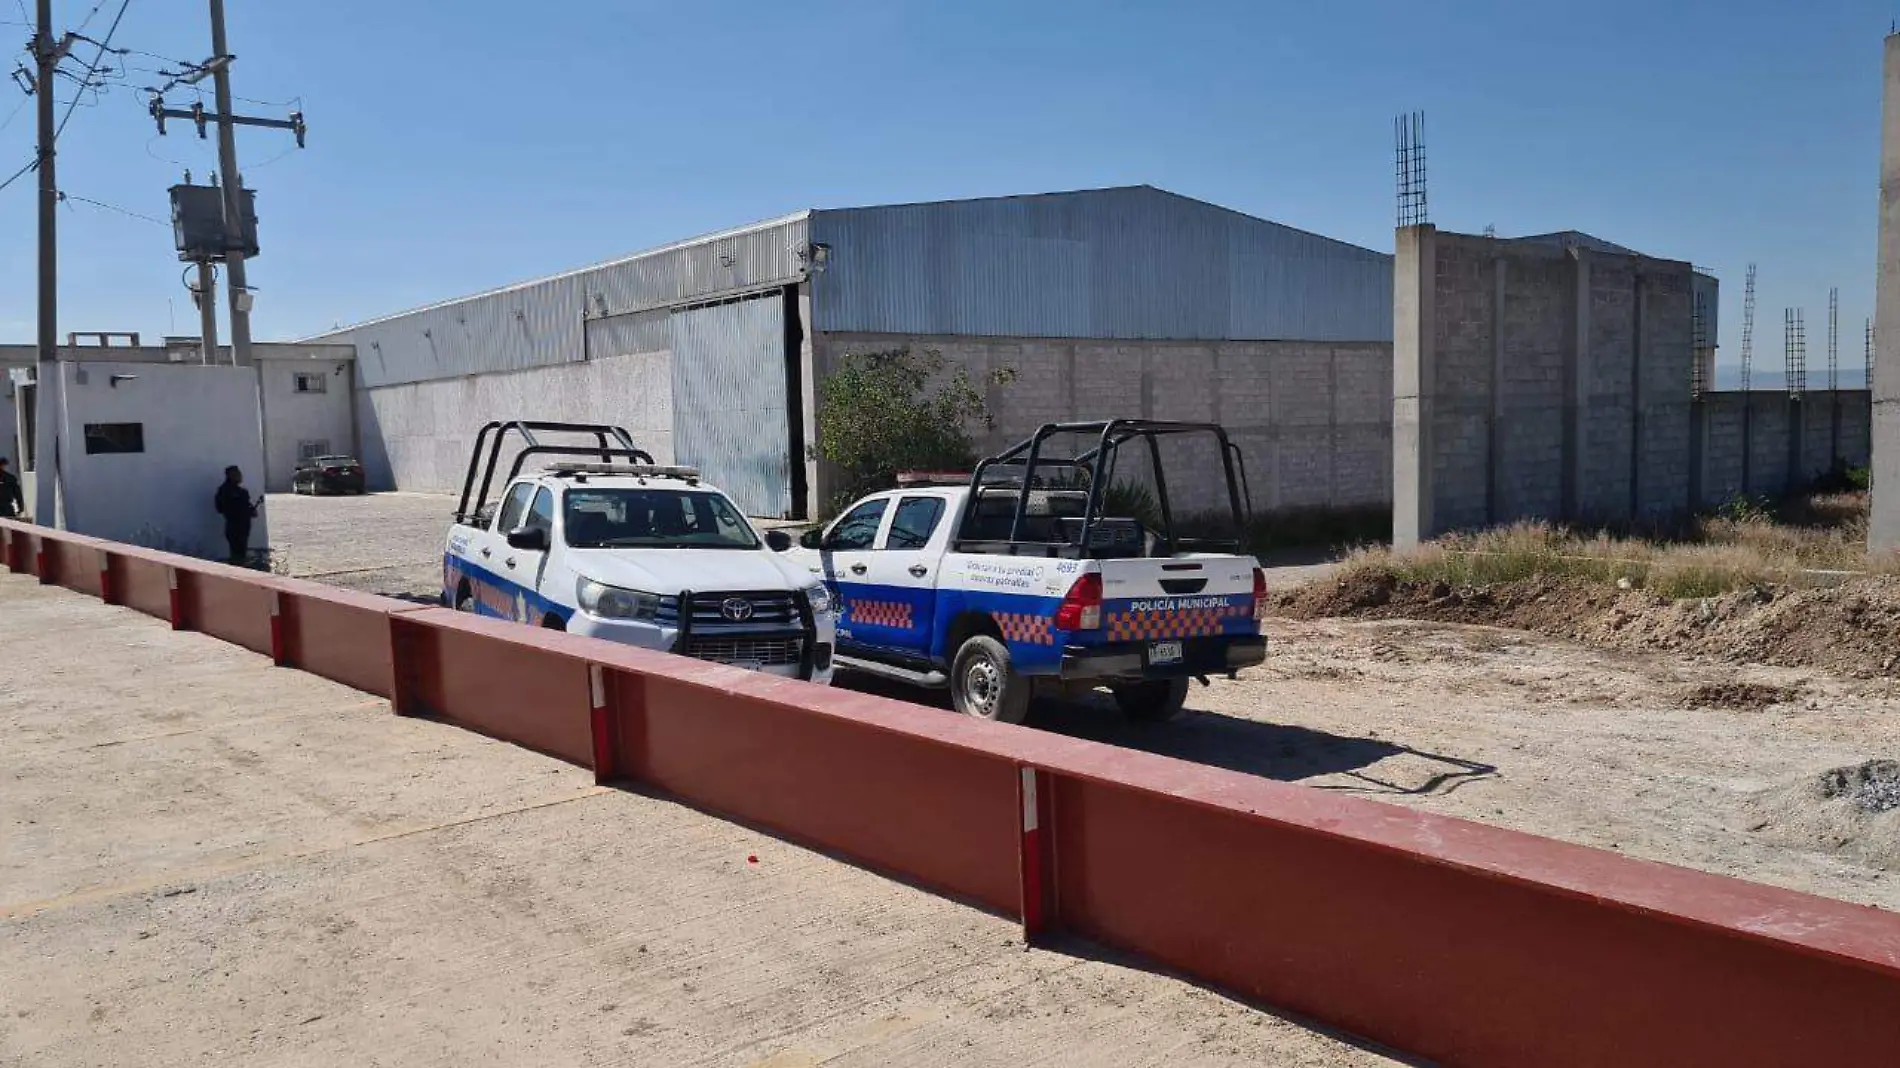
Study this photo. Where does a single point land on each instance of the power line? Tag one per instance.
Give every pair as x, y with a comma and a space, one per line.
114, 207
88, 19
15, 176
103, 46
15, 113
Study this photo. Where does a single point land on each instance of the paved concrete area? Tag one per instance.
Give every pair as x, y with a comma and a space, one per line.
212, 861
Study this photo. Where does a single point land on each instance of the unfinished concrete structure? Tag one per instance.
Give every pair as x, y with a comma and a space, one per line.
1553, 380
1883, 532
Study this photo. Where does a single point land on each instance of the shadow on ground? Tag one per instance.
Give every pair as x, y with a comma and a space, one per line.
1277, 751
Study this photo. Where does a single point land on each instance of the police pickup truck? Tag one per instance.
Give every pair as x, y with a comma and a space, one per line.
1015, 581
606, 543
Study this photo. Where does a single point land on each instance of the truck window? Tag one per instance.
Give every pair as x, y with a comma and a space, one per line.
541, 515
653, 519
915, 521
858, 529
514, 507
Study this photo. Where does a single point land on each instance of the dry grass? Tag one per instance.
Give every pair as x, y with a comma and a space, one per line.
1745, 546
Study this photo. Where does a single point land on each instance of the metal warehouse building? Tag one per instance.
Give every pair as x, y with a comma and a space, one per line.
1114, 302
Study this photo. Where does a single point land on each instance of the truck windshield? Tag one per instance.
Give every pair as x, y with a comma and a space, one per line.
654, 519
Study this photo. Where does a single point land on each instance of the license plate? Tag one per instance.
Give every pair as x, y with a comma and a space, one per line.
1164, 653
749, 665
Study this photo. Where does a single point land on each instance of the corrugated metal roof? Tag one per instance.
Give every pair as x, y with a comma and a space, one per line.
1128, 262
539, 323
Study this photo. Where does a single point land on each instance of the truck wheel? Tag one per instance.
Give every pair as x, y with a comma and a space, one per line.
983, 685
1151, 702
464, 599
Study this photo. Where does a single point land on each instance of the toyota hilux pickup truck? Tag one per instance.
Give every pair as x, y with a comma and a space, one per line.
606, 543
1016, 581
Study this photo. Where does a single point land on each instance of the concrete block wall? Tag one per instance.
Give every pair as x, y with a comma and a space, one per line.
1535, 381
1529, 442
1663, 400
1312, 419
1723, 429
1752, 456
1771, 419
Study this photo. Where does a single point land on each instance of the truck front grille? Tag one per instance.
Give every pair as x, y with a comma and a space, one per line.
758, 609
771, 652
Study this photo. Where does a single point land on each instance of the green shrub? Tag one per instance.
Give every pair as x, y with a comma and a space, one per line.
880, 413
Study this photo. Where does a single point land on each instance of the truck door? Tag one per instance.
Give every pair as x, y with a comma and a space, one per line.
479, 561
845, 556
522, 567
903, 572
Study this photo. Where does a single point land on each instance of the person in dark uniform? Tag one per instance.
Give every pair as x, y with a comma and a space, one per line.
234, 503
12, 501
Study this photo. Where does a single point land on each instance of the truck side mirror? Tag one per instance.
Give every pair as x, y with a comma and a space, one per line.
528, 539
812, 539
777, 540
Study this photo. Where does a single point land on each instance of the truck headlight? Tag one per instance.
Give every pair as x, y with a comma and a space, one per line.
819, 597
612, 602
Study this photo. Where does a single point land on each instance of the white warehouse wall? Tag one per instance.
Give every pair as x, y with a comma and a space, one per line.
417, 436
197, 420
292, 418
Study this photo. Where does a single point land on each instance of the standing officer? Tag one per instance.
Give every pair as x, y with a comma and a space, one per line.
12, 501
234, 503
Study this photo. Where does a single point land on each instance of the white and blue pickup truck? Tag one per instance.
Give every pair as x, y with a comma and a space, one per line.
619, 548
1014, 582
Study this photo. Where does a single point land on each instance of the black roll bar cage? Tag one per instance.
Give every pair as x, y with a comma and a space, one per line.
611, 442
1099, 464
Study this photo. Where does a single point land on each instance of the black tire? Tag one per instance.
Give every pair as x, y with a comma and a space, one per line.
984, 685
554, 623
1151, 702
464, 599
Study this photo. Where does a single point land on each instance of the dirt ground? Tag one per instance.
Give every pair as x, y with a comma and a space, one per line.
208, 860
1684, 755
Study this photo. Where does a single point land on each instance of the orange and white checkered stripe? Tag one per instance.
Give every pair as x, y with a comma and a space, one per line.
894, 614
1024, 627
1133, 626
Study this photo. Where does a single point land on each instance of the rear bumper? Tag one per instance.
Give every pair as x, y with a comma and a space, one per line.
1128, 660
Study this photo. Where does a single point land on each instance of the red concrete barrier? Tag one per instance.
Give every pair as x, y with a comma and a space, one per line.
144, 584
500, 679
1453, 940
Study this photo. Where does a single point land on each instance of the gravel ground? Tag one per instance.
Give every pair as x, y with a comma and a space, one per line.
1697, 762
208, 860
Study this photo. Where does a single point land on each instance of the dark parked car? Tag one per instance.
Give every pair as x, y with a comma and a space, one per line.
328, 474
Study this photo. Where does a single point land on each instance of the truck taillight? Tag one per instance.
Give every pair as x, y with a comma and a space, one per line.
1259, 584
1082, 607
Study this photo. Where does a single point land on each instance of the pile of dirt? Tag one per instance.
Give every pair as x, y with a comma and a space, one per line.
1853, 809
1853, 629
1740, 696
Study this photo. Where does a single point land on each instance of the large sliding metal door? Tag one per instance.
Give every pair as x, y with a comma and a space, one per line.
730, 415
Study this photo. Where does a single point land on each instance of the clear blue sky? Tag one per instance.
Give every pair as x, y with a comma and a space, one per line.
455, 147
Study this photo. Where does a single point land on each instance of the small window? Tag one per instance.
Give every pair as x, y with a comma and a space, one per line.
541, 516
858, 529
915, 521
311, 382
513, 508
311, 450
114, 437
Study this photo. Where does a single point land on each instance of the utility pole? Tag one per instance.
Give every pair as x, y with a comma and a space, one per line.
47, 54
208, 310
233, 190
